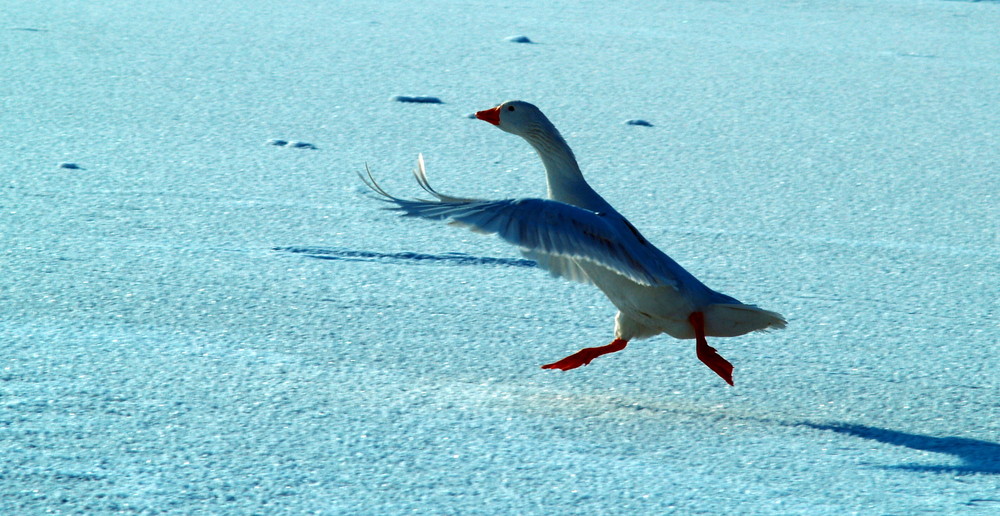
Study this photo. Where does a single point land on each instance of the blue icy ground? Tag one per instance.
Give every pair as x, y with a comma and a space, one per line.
197, 320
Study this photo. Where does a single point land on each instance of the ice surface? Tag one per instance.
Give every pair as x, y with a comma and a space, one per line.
199, 323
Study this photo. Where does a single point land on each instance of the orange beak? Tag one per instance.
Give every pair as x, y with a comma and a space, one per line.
490, 115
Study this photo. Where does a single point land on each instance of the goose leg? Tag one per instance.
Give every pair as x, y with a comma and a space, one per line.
706, 353
584, 356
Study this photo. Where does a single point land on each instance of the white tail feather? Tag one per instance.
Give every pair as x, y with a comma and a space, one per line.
730, 320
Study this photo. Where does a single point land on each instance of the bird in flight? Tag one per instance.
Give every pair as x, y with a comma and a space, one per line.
577, 235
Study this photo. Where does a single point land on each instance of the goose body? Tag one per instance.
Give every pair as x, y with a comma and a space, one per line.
578, 235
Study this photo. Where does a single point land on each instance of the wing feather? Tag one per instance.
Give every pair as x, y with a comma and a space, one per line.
554, 233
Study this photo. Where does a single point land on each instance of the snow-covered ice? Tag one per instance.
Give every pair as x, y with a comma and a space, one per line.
198, 323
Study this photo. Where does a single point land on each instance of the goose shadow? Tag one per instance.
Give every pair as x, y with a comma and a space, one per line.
334, 253
976, 456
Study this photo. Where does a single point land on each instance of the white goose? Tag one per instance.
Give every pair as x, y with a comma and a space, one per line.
579, 236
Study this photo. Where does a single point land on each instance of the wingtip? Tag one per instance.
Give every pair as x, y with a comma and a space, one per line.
421, 176
372, 184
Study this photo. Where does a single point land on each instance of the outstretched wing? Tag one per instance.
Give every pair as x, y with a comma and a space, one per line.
548, 231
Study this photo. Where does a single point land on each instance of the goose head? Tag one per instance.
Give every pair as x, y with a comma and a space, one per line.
517, 117
562, 172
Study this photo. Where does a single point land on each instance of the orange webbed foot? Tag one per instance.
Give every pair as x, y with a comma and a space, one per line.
584, 356
707, 354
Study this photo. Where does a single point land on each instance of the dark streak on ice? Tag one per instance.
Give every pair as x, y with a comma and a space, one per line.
417, 100
321, 253
293, 145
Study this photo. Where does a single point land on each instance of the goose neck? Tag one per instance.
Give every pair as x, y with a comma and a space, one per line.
565, 181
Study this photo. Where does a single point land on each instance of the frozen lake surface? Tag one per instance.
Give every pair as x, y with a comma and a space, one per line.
198, 320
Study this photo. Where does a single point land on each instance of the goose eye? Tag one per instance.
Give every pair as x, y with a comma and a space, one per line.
510, 108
